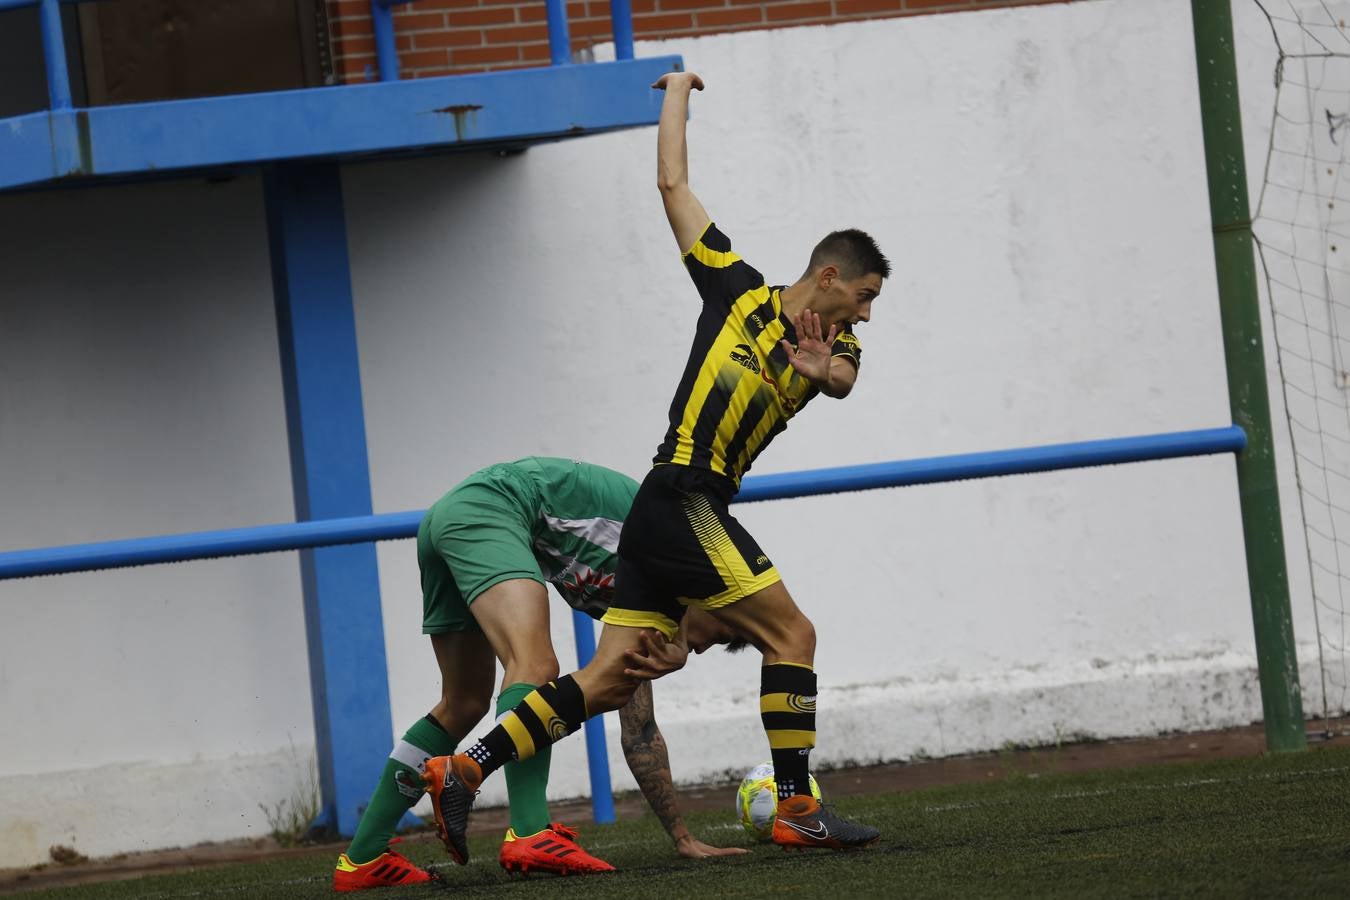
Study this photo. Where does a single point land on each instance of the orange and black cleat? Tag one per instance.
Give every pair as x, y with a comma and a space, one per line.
555, 849
386, 870
453, 782
804, 822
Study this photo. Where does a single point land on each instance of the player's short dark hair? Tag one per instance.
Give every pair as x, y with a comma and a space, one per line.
853, 252
736, 645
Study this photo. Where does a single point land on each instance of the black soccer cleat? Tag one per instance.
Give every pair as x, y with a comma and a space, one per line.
453, 784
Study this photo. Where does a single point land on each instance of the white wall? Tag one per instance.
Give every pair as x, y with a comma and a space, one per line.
1036, 176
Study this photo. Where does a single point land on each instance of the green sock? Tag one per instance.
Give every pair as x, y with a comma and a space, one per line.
399, 789
526, 782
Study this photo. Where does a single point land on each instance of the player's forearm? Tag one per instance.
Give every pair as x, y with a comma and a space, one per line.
838, 380
672, 152
645, 751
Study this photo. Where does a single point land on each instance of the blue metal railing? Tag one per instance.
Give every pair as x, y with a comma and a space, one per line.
382, 21
559, 39
388, 526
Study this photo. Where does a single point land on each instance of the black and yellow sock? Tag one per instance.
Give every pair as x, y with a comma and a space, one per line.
399, 788
526, 780
787, 707
547, 714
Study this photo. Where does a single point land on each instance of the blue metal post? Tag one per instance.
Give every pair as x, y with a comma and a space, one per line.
597, 753
316, 328
54, 53
559, 43
386, 52
621, 23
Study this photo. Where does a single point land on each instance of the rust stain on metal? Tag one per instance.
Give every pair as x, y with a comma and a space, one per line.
461, 112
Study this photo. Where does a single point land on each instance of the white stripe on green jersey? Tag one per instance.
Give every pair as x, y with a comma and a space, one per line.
575, 537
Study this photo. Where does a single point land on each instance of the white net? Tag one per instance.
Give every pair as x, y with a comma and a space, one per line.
1302, 225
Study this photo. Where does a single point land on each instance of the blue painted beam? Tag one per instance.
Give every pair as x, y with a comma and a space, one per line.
343, 122
386, 49
54, 55
597, 750
559, 43
316, 327
621, 24
388, 526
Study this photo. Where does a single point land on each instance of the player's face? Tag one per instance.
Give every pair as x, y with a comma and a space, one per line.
703, 630
850, 300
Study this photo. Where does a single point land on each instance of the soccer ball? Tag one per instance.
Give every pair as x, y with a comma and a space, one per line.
757, 800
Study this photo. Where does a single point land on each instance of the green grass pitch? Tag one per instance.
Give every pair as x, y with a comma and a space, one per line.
1276, 826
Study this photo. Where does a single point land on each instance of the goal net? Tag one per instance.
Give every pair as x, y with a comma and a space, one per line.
1302, 227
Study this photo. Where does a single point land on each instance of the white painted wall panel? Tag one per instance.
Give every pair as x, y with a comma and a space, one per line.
1037, 177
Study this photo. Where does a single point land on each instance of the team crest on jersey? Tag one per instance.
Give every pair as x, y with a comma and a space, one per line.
584, 576
742, 355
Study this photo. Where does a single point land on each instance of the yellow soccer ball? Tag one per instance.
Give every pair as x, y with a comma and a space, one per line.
757, 800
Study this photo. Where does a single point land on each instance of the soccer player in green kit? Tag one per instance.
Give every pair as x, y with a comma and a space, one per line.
486, 550
760, 353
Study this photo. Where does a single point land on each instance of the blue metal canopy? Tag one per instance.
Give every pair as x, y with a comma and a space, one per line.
508, 109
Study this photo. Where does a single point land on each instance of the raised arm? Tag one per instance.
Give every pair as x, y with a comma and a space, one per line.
645, 750
687, 216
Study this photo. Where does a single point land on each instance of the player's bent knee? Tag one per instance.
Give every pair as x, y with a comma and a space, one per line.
459, 713
535, 672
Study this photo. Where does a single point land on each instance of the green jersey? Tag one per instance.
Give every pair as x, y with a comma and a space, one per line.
555, 521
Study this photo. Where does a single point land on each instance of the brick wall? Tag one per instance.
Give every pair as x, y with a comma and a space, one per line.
442, 37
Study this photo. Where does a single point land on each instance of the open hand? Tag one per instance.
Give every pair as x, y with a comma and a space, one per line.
653, 657
811, 357
675, 79
691, 847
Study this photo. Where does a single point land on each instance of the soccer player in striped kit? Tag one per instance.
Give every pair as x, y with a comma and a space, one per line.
760, 354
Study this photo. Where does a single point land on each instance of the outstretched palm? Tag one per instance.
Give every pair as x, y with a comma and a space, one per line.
811, 357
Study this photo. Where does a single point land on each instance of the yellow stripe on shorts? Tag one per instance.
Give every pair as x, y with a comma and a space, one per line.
634, 618
722, 553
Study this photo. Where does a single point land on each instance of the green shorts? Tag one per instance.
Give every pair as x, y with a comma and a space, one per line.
474, 537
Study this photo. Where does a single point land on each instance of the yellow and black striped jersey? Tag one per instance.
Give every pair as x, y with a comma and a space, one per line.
737, 391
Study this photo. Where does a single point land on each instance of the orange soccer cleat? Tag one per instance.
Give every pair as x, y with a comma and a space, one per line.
385, 870
803, 822
554, 849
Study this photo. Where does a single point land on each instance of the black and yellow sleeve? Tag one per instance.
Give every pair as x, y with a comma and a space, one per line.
719, 274
846, 345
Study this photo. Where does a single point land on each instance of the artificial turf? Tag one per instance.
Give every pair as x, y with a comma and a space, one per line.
1277, 826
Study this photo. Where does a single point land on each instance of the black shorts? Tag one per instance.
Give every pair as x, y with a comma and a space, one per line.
681, 546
